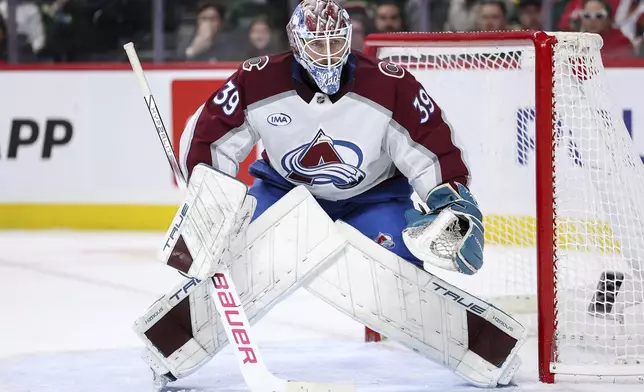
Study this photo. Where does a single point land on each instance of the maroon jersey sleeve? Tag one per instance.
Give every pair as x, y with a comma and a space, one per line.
420, 141
218, 133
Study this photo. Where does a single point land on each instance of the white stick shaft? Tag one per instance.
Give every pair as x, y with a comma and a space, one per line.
137, 68
154, 113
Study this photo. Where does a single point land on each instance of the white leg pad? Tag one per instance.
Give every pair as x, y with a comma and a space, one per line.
179, 329
285, 246
421, 311
215, 210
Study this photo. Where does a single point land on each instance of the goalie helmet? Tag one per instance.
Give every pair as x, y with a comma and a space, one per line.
319, 33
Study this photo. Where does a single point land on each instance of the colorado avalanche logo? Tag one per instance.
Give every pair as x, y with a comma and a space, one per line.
385, 240
321, 162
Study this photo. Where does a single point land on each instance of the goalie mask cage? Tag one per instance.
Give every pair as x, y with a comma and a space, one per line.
560, 185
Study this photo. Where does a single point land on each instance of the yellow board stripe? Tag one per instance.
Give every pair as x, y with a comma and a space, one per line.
502, 230
86, 216
583, 235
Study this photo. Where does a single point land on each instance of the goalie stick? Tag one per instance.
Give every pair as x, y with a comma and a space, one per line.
254, 371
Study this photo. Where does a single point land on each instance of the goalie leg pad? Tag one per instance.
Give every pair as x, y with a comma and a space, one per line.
179, 330
216, 209
407, 304
281, 249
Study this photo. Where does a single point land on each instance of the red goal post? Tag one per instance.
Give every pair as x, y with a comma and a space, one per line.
551, 88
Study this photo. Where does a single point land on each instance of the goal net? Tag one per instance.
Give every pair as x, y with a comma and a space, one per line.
558, 180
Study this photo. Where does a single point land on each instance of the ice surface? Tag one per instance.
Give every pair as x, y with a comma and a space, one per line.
68, 300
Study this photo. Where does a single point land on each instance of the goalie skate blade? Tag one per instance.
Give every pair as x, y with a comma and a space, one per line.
297, 386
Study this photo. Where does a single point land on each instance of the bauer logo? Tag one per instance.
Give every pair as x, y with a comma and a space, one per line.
279, 119
235, 318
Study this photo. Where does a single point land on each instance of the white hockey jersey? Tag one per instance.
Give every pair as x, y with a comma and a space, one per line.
380, 124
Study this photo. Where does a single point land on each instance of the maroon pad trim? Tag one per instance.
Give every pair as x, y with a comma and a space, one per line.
173, 330
488, 341
180, 257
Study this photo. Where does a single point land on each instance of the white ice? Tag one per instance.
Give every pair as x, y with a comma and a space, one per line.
67, 301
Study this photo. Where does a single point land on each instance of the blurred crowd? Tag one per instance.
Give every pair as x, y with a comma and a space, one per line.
234, 30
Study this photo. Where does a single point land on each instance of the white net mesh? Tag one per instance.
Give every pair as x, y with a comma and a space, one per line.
487, 90
599, 185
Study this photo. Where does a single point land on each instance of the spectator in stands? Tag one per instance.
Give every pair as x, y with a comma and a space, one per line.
25, 52
361, 14
629, 17
529, 15
69, 30
462, 15
492, 15
358, 7
597, 17
261, 40
29, 22
437, 13
388, 17
358, 33
571, 17
208, 43
3, 41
